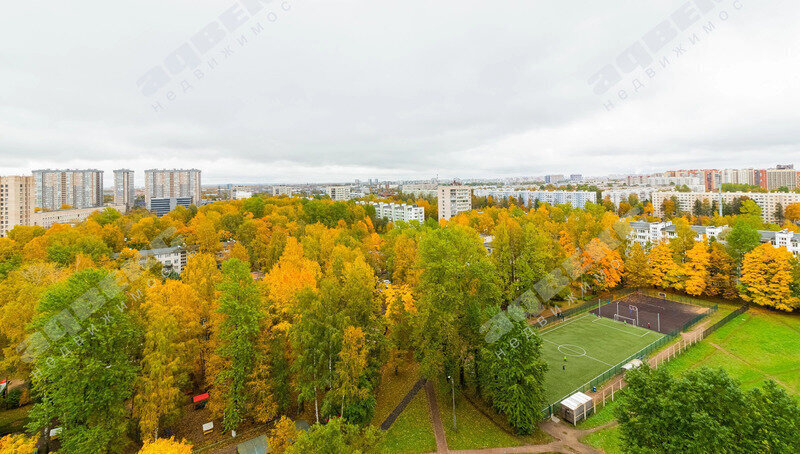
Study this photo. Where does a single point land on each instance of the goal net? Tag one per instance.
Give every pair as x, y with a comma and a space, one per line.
622, 318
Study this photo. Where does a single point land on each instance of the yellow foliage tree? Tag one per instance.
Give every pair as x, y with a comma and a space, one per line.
171, 343
292, 273
283, 435
663, 269
603, 266
767, 278
18, 444
166, 446
697, 274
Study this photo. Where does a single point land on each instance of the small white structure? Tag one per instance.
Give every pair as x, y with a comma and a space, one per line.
634, 364
208, 428
576, 407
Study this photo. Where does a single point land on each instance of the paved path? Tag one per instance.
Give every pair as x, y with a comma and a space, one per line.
436, 418
387, 423
567, 440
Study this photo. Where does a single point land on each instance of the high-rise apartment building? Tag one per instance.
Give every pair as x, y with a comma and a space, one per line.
123, 188
17, 196
453, 200
75, 188
769, 202
172, 183
779, 178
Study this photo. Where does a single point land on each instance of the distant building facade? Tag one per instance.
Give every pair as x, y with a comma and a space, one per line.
17, 198
453, 200
74, 188
767, 201
397, 211
47, 219
339, 193
163, 205
172, 183
124, 193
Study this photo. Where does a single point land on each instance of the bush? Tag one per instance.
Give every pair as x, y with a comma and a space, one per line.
12, 399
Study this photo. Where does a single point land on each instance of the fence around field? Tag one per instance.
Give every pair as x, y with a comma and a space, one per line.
605, 376
675, 350
591, 304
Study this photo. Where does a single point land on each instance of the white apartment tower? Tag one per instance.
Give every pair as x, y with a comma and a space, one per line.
123, 188
172, 184
454, 200
17, 196
339, 193
75, 188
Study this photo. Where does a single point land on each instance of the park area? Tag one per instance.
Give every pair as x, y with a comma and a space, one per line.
752, 348
592, 345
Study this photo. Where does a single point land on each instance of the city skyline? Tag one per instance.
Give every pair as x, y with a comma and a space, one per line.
319, 96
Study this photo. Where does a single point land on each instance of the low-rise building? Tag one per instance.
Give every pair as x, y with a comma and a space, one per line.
173, 259
163, 205
651, 233
47, 219
397, 211
782, 238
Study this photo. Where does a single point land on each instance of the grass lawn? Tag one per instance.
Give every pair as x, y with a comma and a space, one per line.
475, 430
412, 432
393, 388
754, 347
608, 440
603, 416
592, 346
13, 421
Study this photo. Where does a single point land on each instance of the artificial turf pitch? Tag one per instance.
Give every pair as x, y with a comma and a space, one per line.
592, 346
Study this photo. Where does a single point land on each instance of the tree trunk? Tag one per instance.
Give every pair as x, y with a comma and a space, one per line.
316, 405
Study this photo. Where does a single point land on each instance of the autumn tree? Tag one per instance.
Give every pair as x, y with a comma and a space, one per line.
697, 274
603, 266
283, 435
351, 366
18, 444
456, 285
767, 278
513, 378
166, 446
637, 268
239, 305
664, 272
792, 212
171, 343
101, 363
722, 272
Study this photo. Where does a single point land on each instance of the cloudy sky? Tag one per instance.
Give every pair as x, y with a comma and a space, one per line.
334, 90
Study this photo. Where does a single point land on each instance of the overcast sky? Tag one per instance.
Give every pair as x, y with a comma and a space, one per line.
337, 90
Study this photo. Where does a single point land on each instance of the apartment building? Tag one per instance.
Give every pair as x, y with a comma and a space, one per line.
767, 201
453, 200
420, 189
552, 179
17, 197
124, 193
339, 193
284, 190
782, 238
577, 199
75, 188
650, 233
618, 196
772, 179
172, 183
172, 259
397, 211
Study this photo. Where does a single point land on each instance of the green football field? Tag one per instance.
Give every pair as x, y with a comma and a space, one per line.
592, 346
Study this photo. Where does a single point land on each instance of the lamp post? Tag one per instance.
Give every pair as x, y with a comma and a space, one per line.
453, 391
